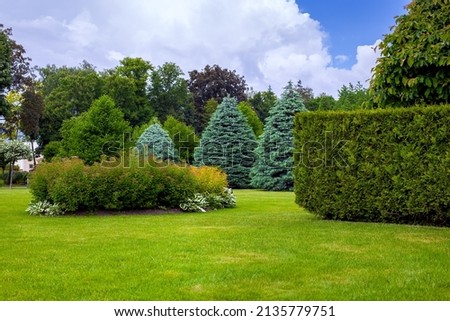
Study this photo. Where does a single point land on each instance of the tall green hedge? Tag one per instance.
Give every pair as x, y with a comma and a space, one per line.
388, 165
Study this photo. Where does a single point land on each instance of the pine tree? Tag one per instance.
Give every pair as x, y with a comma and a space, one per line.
274, 155
228, 142
156, 141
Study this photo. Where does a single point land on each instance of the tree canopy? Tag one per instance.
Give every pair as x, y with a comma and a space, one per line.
414, 67
68, 92
183, 136
169, 94
95, 133
252, 118
10, 152
214, 82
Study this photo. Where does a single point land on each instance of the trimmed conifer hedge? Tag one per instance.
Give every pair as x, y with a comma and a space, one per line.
389, 165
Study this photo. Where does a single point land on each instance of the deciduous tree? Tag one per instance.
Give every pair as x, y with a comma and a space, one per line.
169, 94
252, 118
214, 82
30, 114
95, 133
414, 67
183, 136
10, 152
127, 84
68, 92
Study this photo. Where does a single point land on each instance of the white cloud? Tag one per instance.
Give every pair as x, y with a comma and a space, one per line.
341, 58
268, 41
115, 56
81, 31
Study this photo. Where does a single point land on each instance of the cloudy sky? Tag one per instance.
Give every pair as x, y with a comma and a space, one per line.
325, 43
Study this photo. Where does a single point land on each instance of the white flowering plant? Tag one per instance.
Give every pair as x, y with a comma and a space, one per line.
44, 208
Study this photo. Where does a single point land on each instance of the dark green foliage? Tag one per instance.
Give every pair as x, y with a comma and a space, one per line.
67, 92
380, 166
98, 132
228, 142
274, 154
51, 150
5, 69
414, 67
15, 66
156, 142
252, 118
183, 136
31, 112
209, 109
18, 178
168, 93
127, 85
262, 102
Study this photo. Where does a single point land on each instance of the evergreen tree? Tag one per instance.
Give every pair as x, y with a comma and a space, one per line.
95, 133
274, 154
228, 142
156, 141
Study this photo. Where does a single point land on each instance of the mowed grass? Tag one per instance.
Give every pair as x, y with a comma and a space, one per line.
265, 249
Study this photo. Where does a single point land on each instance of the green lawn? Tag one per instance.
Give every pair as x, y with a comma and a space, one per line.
265, 249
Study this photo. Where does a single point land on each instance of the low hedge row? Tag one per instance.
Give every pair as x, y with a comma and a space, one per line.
19, 178
379, 166
77, 187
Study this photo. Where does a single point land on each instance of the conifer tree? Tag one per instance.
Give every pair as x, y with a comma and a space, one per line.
273, 168
228, 142
156, 141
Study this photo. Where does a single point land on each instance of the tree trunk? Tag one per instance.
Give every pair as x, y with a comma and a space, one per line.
11, 172
33, 154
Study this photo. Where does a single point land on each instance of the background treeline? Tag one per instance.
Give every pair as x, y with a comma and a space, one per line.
38, 103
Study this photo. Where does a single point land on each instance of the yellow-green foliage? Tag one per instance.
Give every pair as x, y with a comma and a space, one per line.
209, 179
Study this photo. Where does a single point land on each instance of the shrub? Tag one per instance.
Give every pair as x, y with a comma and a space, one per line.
380, 166
19, 178
75, 186
209, 179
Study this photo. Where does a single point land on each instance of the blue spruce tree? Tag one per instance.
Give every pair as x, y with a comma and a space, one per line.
156, 141
273, 168
228, 142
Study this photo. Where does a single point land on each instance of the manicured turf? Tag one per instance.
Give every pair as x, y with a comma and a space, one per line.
265, 249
